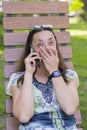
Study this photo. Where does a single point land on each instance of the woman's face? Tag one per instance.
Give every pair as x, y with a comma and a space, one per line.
44, 39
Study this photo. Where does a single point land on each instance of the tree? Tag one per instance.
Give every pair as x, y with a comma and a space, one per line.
75, 5
85, 9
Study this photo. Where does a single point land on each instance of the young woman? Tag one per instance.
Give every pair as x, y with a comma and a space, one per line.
44, 90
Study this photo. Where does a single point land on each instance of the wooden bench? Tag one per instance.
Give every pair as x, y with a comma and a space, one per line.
18, 16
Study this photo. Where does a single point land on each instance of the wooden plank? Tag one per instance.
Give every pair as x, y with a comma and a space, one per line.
15, 38
15, 54
70, 65
78, 117
9, 105
34, 7
80, 129
63, 37
9, 69
77, 113
20, 38
12, 123
10, 23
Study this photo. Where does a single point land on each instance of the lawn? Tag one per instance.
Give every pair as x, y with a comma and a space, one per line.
2, 95
79, 46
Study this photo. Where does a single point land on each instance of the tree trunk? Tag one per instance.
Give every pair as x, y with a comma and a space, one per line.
85, 9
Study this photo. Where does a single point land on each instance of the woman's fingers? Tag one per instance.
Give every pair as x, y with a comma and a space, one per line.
47, 53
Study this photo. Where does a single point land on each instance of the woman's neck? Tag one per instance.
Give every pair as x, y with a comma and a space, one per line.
41, 74
42, 71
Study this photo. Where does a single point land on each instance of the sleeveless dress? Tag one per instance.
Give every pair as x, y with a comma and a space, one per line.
48, 114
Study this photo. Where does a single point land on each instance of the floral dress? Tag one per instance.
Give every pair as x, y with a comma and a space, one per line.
48, 114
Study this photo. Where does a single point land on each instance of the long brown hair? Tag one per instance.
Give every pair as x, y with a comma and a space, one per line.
21, 67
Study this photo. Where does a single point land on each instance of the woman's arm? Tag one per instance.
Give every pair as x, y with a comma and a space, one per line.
66, 94
23, 99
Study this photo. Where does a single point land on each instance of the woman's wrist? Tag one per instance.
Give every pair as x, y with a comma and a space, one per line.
27, 79
28, 73
55, 74
52, 70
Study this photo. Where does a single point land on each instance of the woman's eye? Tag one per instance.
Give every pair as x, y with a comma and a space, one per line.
51, 43
39, 44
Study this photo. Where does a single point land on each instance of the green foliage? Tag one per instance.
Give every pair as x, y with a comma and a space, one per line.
79, 46
75, 5
1, 37
1, 17
2, 95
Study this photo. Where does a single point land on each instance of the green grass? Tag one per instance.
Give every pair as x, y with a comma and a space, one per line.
79, 46
2, 95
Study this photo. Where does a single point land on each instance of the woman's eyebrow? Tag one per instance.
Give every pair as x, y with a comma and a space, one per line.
39, 40
50, 38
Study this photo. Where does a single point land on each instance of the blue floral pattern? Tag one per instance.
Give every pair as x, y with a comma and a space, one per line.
46, 89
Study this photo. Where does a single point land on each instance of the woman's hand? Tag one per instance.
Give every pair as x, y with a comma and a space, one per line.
50, 59
30, 63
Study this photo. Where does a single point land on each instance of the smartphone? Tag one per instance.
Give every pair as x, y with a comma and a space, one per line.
37, 60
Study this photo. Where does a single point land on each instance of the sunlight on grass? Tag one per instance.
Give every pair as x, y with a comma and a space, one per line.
1, 52
79, 32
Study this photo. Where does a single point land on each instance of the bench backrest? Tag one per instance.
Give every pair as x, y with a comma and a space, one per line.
18, 16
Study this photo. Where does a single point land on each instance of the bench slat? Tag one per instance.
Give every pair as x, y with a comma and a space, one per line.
14, 54
9, 69
12, 123
34, 7
9, 105
78, 117
20, 38
10, 23
77, 113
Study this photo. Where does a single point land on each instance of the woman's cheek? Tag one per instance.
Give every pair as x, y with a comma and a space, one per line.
53, 49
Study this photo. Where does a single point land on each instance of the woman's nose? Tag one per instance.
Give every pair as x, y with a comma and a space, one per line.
45, 45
